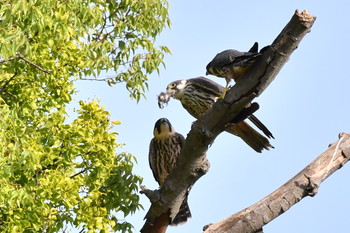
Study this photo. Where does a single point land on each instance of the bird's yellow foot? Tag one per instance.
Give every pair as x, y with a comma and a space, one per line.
223, 93
225, 89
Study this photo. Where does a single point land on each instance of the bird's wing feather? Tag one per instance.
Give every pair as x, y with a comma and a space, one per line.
225, 57
152, 159
180, 139
244, 59
254, 48
207, 84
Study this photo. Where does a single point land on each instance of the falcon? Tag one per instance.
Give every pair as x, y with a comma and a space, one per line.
164, 150
198, 95
232, 64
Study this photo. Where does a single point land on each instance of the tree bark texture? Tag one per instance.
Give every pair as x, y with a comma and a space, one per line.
192, 163
305, 183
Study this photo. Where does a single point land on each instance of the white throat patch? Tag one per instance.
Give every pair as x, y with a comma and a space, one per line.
180, 89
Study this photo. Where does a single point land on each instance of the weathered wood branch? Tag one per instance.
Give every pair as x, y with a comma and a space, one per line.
192, 163
305, 183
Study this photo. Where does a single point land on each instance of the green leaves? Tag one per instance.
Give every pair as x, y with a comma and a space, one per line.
57, 174
86, 38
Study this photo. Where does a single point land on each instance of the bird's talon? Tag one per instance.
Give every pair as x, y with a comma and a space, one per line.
222, 96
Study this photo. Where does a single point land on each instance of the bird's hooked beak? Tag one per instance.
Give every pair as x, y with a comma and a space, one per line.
170, 92
209, 70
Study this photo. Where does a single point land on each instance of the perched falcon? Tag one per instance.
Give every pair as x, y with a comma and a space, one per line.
232, 64
164, 151
197, 95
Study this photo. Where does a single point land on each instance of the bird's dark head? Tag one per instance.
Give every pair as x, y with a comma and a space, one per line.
176, 88
163, 128
214, 67
210, 69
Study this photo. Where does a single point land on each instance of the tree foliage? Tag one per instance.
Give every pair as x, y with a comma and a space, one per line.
83, 38
58, 173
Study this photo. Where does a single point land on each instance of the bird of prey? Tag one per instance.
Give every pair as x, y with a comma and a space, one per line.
232, 64
164, 150
197, 95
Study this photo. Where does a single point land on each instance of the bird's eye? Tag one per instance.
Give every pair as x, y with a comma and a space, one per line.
171, 86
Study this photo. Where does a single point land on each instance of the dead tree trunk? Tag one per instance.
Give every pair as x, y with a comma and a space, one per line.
192, 163
305, 183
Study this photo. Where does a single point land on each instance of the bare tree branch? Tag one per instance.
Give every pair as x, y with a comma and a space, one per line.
7, 83
26, 60
78, 173
10, 59
33, 64
98, 79
305, 183
192, 163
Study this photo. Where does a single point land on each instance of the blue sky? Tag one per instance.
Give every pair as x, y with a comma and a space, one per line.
305, 108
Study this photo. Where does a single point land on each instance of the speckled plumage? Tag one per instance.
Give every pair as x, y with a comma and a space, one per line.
197, 95
164, 150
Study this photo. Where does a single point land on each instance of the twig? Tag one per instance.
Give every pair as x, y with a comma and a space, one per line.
33, 64
10, 59
77, 174
100, 80
26, 60
7, 83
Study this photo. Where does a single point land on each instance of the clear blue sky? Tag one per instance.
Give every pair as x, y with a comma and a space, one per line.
305, 108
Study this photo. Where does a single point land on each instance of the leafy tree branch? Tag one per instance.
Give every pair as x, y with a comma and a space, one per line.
59, 173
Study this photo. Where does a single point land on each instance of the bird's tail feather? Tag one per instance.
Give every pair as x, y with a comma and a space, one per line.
260, 125
183, 214
252, 137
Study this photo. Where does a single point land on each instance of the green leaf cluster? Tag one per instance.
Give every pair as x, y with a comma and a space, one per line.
86, 38
58, 172
54, 173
